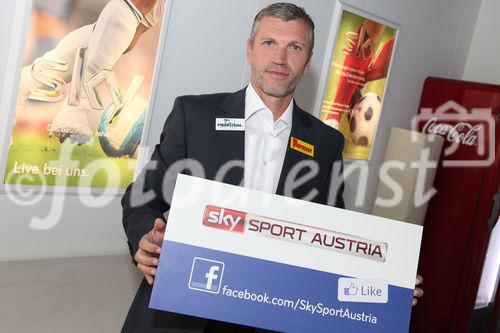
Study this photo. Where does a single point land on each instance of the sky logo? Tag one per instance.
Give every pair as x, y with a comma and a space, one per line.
224, 219
206, 275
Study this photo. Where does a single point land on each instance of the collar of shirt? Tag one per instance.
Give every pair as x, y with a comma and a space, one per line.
254, 106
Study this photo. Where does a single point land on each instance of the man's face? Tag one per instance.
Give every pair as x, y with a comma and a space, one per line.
278, 56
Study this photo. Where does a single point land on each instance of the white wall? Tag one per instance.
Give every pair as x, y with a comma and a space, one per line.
204, 52
483, 62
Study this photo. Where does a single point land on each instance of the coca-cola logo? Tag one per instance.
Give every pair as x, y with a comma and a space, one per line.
460, 127
461, 133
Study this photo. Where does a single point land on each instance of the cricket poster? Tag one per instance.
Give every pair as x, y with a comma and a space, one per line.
84, 91
357, 80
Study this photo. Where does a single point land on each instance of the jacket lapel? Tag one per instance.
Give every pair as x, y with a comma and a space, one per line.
301, 129
232, 143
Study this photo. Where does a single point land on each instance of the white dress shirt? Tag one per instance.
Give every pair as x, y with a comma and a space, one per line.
266, 142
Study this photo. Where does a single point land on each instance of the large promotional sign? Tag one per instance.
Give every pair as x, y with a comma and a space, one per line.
84, 91
273, 262
355, 88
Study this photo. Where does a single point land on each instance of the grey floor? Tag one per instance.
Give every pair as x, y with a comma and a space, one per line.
90, 294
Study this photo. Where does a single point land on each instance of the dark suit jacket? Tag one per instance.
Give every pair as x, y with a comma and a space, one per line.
189, 133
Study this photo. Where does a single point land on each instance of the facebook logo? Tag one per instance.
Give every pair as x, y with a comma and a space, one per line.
206, 275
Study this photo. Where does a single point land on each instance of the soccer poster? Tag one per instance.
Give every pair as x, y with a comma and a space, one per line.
355, 88
84, 90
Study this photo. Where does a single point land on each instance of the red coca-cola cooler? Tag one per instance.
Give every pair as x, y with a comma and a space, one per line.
461, 245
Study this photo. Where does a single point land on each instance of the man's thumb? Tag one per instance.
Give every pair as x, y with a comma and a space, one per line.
159, 225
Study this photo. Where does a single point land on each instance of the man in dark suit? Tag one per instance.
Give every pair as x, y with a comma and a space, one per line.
278, 148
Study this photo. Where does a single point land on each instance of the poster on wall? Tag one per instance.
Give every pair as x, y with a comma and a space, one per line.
357, 79
85, 87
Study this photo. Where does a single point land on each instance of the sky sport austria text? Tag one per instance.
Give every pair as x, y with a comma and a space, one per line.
240, 222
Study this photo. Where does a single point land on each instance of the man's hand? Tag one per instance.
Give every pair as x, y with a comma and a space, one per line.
418, 292
149, 250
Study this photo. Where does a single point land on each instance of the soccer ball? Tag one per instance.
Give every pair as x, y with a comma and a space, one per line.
363, 118
120, 130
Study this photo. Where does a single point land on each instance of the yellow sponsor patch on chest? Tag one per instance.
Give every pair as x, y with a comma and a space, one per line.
302, 146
